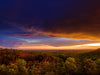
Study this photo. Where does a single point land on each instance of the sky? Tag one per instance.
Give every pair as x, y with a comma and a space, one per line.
50, 24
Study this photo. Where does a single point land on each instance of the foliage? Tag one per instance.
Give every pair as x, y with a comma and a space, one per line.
70, 64
98, 64
17, 62
12, 69
50, 73
89, 66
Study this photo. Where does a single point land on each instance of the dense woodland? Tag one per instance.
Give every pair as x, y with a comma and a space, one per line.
19, 62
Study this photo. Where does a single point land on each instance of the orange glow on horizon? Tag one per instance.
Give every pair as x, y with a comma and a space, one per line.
48, 47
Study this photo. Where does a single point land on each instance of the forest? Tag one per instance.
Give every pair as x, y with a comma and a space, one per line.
54, 62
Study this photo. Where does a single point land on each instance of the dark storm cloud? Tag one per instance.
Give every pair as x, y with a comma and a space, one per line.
25, 34
79, 19
87, 25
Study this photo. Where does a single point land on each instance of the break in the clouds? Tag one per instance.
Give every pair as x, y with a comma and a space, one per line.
49, 20
57, 41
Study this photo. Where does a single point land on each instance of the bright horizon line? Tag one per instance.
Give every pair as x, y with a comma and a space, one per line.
91, 46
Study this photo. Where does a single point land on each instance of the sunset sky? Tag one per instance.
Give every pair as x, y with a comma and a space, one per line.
50, 24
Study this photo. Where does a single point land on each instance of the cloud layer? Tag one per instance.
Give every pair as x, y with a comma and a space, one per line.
74, 19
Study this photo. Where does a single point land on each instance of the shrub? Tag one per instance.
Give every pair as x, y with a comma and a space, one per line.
71, 66
89, 66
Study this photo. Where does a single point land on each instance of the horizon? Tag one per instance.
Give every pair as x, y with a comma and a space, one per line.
50, 49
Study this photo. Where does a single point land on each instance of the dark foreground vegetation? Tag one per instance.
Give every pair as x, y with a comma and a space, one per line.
17, 62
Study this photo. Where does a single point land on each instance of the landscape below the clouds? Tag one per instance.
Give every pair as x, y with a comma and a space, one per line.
49, 62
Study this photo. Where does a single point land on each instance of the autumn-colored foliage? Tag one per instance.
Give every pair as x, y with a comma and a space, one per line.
16, 62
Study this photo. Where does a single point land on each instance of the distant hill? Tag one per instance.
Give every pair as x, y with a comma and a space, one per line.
93, 54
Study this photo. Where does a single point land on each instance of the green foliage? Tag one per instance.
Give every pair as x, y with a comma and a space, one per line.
50, 73
21, 62
98, 64
49, 63
35, 70
98, 61
89, 66
60, 69
71, 59
3, 67
23, 71
46, 67
12, 69
3, 70
71, 64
